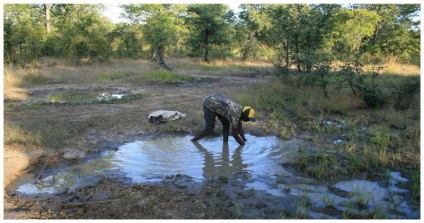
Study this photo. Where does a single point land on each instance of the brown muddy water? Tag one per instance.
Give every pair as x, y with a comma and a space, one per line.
258, 165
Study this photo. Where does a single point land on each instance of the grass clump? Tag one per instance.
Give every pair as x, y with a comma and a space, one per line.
112, 76
35, 78
164, 76
24, 77
160, 76
17, 135
33, 133
321, 165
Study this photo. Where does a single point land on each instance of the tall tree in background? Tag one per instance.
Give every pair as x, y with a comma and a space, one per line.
297, 32
209, 30
81, 32
247, 31
160, 23
23, 32
126, 40
47, 14
350, 28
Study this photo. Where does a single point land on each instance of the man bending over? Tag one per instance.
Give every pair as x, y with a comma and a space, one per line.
229, 113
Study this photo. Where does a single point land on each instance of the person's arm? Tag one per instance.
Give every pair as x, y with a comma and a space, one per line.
240, 130
236, 135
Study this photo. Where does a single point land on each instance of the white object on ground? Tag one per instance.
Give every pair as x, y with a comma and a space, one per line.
169, 115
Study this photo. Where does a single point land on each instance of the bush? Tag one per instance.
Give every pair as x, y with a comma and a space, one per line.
403, 95
35, 78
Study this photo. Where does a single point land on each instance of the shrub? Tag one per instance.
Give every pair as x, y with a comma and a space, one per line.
403, 95
35, 78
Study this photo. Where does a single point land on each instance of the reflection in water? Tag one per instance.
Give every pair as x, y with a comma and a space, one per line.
223, 166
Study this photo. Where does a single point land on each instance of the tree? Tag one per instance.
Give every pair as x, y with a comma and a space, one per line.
209, 30
23, 32
127, 40
81, 32
160, 23
395, 33
47, 14
247, 31
350, 27
297, 32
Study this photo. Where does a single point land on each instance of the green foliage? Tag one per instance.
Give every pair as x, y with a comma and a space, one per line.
299, 35
161, 27
84, 32
127, 40
362, 84
23, 32
370, 92
161, 31
209, 30
350, 27
404, 94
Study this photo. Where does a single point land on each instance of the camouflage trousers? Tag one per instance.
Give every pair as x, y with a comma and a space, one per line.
210, 118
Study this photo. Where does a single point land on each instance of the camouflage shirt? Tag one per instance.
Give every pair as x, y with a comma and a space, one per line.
224, 107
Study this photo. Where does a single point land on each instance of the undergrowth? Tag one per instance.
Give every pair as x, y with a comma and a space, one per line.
386, 137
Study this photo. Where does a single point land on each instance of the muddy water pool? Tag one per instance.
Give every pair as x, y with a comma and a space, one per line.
153, 159
258, 164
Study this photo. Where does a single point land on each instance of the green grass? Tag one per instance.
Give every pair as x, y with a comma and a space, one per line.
164, 76
236, 210
160, 76
380, 138
35, 77
112, 76
48, 133
15, 134
415, 185
329, 200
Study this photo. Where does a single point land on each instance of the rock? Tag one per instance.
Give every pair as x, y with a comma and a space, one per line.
72, 153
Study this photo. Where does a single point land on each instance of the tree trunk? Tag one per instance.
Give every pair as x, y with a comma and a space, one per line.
158, 57
47, 8
287, 57
377, 32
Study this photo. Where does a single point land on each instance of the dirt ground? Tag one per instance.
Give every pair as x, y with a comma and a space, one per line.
176, 197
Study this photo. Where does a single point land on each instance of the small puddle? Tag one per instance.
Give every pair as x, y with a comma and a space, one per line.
82, 97
76, 97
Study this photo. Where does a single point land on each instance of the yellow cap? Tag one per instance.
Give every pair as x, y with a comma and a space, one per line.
250, 113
